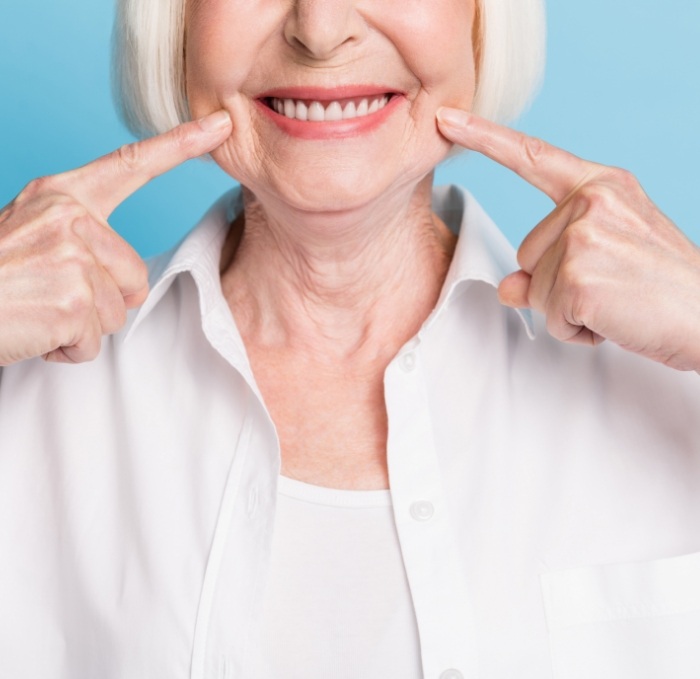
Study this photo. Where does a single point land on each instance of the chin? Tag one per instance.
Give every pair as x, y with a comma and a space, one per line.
337, 175
329, 191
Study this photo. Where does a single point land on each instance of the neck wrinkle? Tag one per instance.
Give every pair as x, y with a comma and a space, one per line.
354, 289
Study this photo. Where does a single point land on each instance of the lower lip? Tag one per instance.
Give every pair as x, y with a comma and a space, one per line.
335, 129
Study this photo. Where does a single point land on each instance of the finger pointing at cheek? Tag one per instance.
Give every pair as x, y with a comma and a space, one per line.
605, 260
548, 168
71, 277
108, 181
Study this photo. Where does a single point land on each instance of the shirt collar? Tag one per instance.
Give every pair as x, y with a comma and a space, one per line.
199, 254
482, 253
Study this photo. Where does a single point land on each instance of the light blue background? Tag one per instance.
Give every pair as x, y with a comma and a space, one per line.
622, 88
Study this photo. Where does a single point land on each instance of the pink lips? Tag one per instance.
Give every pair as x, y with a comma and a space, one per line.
336, 129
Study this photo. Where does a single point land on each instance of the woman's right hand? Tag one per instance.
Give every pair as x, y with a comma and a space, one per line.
66, 278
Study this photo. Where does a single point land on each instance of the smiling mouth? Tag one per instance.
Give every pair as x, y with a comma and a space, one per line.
313, 110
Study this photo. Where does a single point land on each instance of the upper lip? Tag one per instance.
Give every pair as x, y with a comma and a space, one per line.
327, 93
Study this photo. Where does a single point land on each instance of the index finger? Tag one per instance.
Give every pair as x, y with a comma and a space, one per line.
106, 182
550, 169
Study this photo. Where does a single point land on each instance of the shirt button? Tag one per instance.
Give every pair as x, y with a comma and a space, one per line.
451, 674
422, 510
408, 361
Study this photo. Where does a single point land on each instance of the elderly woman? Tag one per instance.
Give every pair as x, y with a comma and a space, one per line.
321, 447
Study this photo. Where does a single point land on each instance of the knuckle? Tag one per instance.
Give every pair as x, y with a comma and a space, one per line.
63, 212
624, 178
129, 157
75, 303
182, 138
40, 184
573, 277
597, 198
580, 236
72, 257
534, 149
36, 187
580, 297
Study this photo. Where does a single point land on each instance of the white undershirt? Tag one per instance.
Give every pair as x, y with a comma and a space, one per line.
337, 603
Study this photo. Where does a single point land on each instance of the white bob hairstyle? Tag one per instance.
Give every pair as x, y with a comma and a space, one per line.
149, 52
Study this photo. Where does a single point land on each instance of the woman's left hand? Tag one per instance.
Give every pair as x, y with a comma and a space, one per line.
606, 263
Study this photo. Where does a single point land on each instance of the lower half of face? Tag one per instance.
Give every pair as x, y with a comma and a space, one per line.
333, 103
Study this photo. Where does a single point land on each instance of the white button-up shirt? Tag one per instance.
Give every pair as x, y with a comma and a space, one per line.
546, 497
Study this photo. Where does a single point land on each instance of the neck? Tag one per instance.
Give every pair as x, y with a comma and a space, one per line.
343, 286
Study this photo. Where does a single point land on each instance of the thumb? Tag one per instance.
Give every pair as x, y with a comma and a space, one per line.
513, 290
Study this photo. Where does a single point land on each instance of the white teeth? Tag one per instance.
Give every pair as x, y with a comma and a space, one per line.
301, 111
333, 110
316, 112
350, 111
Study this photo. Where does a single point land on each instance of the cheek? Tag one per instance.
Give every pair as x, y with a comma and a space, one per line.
435, 41
224, 39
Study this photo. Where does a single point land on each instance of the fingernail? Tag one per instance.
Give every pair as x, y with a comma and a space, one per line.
453, 117
215, 121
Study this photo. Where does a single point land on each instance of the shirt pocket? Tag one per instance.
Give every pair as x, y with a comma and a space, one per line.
625, 621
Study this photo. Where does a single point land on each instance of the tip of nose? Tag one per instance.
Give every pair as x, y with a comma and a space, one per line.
320, 29
319, 48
